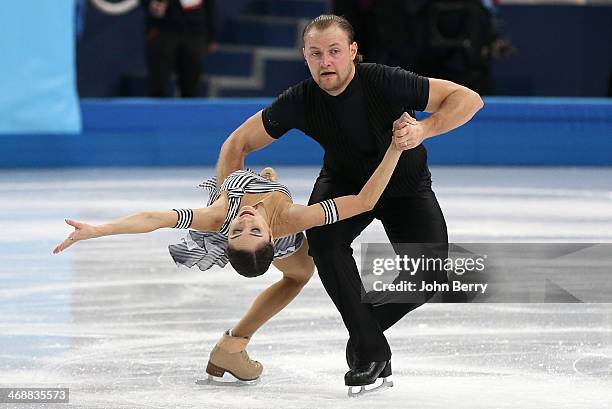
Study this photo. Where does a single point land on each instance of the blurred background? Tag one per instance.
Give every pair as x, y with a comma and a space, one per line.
110, 107
124, 82
522, 48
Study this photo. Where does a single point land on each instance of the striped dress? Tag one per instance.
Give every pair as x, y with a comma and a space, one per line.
207, 248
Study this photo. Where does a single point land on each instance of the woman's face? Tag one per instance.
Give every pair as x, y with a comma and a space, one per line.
249, 231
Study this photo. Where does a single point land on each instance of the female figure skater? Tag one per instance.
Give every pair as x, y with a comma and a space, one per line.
251, 222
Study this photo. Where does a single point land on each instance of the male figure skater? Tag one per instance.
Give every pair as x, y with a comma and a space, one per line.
353, 110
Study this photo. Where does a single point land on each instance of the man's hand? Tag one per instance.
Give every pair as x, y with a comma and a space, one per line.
408, 133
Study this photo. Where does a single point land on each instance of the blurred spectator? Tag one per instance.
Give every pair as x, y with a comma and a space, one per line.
450, 39
462, 41
457, 33
361, 15
179, 35
403, 30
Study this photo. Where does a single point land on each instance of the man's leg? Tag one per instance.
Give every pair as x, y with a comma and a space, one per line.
330, 247
190, 63
161, 53
412, 220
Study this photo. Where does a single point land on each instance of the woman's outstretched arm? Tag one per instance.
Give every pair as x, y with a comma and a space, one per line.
301, 218
207, 218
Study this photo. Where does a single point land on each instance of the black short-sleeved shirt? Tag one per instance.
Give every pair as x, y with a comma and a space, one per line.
400, 88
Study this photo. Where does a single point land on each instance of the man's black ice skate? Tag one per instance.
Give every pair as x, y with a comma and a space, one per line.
368, 378
353, 361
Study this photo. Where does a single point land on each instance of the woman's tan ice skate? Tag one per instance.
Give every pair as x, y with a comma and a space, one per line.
230, 356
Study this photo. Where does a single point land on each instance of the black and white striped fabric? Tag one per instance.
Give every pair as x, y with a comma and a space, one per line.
236, 185
330, 210
185, 218
206, 249
202, 248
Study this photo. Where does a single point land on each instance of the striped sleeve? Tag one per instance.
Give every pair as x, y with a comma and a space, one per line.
330, 210
185, 217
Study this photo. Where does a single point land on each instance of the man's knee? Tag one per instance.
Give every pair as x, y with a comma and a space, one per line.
323, 245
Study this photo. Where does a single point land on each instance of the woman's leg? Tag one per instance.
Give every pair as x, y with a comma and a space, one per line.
229, 355
297, 270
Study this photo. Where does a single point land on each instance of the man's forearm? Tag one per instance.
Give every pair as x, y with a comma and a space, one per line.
249, 137
456, 109
231, 158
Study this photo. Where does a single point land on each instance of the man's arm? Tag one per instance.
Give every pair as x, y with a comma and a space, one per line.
249, 137
451, 105
299, 218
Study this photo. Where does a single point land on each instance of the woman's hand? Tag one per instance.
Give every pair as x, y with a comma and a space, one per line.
408, 133
81, 231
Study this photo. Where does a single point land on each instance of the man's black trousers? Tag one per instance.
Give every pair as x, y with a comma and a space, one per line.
405, 220
169, 52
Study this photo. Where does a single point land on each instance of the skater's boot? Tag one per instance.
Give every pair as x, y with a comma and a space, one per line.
353, 361
269, 173
368, 378
351, 354
230, 355
364, 374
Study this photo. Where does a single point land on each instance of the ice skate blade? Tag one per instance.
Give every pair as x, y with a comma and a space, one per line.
379, 384
226, 380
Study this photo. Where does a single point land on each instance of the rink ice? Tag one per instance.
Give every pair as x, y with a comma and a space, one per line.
116, 321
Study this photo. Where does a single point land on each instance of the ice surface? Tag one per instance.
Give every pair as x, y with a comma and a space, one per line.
118, 323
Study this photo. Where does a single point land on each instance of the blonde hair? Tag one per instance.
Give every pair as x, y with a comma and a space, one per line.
325, 21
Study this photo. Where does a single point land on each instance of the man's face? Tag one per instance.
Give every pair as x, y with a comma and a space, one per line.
329, 56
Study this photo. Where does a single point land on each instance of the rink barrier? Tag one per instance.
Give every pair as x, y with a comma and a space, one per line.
144, 132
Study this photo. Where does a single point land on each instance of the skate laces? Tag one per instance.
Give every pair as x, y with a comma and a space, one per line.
248, 358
